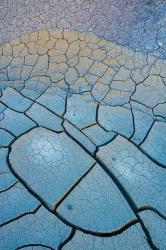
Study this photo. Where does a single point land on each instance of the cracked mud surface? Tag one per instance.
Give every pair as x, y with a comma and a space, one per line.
138, 24
82, 144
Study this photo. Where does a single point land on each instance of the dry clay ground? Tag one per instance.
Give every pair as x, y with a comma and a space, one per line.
82, 144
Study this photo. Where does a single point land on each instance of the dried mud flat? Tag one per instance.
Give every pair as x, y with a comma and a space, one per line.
83, 145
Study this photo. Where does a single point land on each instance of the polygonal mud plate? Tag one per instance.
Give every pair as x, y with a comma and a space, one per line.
80, 127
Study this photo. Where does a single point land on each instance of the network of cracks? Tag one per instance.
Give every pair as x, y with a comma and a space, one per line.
82, 144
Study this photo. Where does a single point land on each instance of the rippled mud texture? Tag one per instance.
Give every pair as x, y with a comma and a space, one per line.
82, 144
